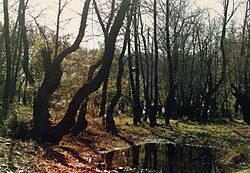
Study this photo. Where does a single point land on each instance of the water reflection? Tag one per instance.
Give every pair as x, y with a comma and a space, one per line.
163, 158
150, 160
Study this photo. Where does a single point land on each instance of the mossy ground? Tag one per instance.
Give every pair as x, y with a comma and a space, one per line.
82, 153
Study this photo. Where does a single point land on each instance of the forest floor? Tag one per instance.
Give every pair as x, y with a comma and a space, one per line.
83, 153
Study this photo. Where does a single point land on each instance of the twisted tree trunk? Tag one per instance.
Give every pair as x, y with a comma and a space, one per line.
42, 126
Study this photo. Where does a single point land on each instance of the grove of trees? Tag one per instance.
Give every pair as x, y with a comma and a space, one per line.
164, 59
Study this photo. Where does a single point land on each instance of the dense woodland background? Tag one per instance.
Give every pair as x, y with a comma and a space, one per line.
163, 59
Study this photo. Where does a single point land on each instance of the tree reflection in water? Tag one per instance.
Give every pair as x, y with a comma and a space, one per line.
150, 160
164, 158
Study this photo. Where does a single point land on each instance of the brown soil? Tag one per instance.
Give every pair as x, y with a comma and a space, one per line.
83, 153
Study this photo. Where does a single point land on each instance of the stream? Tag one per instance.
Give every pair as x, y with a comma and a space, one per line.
162, 158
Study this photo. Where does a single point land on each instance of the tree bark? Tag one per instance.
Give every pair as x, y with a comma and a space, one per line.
7, 85
244, 101
104, 98
42, 126
137, 106
154, 108
110, 123
170, 100
145, 79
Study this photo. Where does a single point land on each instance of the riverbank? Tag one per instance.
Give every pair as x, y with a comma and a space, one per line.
83, 153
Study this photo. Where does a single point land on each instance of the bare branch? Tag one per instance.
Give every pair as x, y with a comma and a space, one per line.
79, 37
100, 19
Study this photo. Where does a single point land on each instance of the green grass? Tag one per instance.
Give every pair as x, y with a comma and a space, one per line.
231, 137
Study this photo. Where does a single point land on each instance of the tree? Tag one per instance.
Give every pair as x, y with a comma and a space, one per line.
243, 97
105, 30
7, 86
211, 88
134, 82
145, 70
16, 54
110, 123
42, 126
154, 107
170, 103
244, 102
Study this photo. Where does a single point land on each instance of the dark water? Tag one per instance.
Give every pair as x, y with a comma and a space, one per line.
162, 158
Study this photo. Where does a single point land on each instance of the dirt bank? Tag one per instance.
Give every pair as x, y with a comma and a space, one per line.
83, 153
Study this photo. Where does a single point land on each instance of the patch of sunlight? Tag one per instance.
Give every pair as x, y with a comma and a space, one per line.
244, 171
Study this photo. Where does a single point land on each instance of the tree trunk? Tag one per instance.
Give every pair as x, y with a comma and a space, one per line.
81, 123
146, 79
137, 67
134, 82
42, 126
7, 86
104, 98
170, 100
156, 91
110, 122
243, 99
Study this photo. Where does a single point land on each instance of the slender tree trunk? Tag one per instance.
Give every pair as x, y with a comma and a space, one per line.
7, 85
243, 42
25, 92
20, 89
104, 98
146, 79
246, 70
156, 90
105, 31
132, 83
170, 101
137, 67
215, 88
21, 53
58, 27
110, 123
